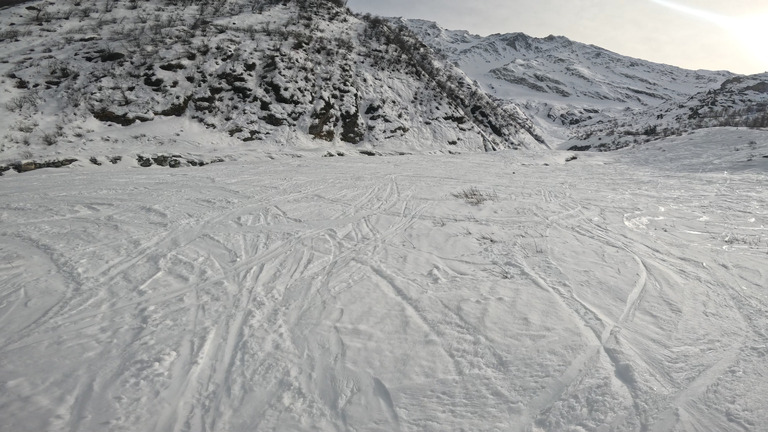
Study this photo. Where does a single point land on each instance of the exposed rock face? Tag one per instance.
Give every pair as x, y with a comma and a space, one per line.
173, 161
30, 165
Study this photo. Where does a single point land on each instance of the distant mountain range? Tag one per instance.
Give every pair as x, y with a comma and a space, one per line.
310, 74
565, 86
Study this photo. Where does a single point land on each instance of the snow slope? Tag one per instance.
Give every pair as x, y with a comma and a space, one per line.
622, 291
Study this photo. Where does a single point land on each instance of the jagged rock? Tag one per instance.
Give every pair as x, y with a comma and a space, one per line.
26, 166
106, 115
144, 161
161, 160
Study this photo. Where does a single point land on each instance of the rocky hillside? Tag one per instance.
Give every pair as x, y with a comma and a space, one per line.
741, 101
188, 78
304, 73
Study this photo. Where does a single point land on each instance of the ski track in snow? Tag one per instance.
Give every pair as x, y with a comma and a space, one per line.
360, 294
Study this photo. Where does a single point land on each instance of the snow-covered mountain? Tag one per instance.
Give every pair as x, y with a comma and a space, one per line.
100, 79
563, 84
297, 74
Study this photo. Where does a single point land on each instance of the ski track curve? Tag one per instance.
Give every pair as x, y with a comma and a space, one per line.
371, 298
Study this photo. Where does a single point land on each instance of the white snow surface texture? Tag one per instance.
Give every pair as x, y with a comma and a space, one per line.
615, 292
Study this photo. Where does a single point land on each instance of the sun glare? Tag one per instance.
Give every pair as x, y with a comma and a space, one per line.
753, 34
751, 31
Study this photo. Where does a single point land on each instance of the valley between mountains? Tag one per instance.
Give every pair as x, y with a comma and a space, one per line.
230, 215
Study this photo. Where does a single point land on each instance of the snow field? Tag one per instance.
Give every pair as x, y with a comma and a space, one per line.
622, 291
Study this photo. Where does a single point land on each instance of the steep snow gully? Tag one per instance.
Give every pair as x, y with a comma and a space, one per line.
614, 292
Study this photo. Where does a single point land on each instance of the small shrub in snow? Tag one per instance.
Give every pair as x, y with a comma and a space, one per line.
8, 35
731, 238
488, 238
26, 126
503, 272
50, 139
475, 196
19, 103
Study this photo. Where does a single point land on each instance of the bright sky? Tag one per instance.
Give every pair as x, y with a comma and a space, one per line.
695, 34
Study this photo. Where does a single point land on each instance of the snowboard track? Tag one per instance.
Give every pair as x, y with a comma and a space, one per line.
332, 301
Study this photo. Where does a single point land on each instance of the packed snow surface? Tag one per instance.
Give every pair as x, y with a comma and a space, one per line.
478, 292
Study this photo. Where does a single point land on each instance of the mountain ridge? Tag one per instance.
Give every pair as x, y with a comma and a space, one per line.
557, 80
302, 76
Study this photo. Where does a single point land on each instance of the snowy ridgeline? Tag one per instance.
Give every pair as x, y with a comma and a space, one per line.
505, 291
595, 98
102, 79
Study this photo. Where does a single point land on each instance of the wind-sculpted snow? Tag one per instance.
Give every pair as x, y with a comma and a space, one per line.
622, 291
